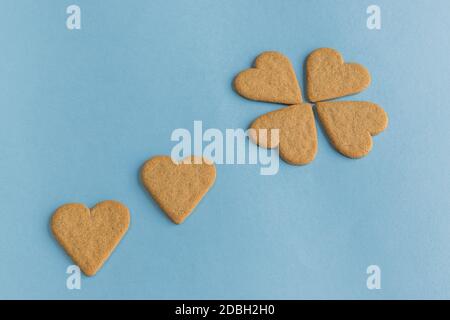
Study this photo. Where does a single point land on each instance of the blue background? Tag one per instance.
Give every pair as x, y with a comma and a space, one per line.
80, 111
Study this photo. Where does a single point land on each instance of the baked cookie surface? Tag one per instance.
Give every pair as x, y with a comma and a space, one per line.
272, 79
89, 236
350, 125
297, 135
329, 77
178, 187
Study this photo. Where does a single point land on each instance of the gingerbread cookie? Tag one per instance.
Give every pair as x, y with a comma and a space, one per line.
272, 80
178, 187
297, 133
329, 77
350, 125
89, 236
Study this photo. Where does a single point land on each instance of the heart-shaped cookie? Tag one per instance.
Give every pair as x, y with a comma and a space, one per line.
329, 77
89, 236
350, 125
271, 80
178, 187
297, 133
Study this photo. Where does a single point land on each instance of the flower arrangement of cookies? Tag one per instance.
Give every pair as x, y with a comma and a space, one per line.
349, 125
90, 235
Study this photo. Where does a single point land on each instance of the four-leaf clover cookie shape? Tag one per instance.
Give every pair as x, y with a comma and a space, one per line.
349, 125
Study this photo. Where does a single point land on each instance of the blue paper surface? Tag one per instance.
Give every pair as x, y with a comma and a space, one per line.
81, 110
